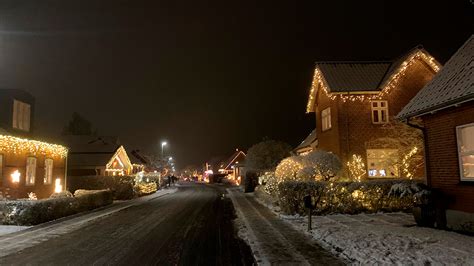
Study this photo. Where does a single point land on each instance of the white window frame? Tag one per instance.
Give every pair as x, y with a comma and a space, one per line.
461, 153
21, 115
326, 119
30, 171
378, 109
48, 171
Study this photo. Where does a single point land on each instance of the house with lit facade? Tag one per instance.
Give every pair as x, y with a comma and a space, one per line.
355, 102
233, 166
26, 165
97, 156
446, 106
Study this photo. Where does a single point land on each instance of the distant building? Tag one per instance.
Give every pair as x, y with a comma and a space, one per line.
92, 155
353, 101
446, 105
309, 144
26, 165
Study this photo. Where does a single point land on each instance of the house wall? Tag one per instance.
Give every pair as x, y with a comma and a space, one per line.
443, 162
12, 162
328, 140
352, 120
6, 110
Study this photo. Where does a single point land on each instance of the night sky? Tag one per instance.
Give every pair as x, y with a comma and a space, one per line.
207, 76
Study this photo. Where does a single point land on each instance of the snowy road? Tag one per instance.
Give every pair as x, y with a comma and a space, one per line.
191, 226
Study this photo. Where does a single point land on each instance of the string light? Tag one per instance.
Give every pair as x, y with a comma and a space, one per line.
392, 82
10, 144
356, 167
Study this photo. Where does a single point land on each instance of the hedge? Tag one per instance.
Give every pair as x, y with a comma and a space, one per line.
31, 212
348, 197
122, 187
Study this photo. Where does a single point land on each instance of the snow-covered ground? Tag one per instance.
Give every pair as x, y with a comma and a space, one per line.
384, 238
7, 229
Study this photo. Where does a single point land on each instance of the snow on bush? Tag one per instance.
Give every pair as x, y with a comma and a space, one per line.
31, 212
62, 194
346, 197
325, 164
122, 187
288, 168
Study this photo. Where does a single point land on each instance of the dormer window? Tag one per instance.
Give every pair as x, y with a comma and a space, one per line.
21, 115
379, 112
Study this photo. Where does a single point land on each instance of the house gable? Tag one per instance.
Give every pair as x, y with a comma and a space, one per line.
352, 81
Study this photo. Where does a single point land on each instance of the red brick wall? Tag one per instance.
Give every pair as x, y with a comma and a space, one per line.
328, 140
12, 162
443, 156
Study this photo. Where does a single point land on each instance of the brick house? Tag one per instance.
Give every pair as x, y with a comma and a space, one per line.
446, 106
354, 104
26, 165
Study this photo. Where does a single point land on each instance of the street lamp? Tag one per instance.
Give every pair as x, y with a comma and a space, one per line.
163, 144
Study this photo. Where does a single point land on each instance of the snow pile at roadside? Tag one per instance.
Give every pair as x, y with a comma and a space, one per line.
7, 229
390, 238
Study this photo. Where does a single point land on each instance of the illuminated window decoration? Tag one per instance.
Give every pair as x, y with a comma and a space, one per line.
382, 163
465, 139
326, 119
406, 163
320, 83
16, 176
21, 115
379, 111
30, 171
48, 171
57, 185
9, 144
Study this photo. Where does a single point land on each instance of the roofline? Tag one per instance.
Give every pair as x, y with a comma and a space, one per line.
235, 157
438, 108
354, 62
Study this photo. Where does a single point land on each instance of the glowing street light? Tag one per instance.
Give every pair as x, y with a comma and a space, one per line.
170, 158
163, 144
16, 176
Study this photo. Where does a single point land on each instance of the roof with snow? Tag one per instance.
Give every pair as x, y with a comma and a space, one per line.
362, 77
90, 150
452, 85
312, 137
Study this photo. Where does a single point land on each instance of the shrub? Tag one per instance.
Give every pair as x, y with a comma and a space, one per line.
31, 212
122, 187
347, 197
265, 155
63, 194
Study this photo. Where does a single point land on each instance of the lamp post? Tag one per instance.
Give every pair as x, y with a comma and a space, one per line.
163, 144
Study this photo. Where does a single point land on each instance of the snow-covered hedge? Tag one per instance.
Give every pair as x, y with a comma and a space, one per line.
348, 197
122, 187
31, 212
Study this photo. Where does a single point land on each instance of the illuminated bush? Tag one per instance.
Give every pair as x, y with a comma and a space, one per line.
288, 168
348, 197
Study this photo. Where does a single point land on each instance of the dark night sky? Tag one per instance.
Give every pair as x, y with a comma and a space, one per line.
206, 76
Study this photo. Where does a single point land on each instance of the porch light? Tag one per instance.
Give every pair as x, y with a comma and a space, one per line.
57, 185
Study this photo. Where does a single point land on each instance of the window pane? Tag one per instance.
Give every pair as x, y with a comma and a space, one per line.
467, 139
375, 104
26, 117
382, 104
375, 116
383, 116
382, 162
468, 166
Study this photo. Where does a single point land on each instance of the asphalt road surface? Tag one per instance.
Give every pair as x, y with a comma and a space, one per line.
190, 227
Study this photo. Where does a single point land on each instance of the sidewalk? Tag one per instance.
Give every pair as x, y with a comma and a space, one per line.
34, 235
273, 241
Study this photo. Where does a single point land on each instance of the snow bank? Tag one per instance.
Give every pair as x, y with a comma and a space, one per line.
390, 238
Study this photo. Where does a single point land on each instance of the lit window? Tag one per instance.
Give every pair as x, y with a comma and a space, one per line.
379, 112
48, 171
465, 136
30, 170
382, 163
326, 119
21, 115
